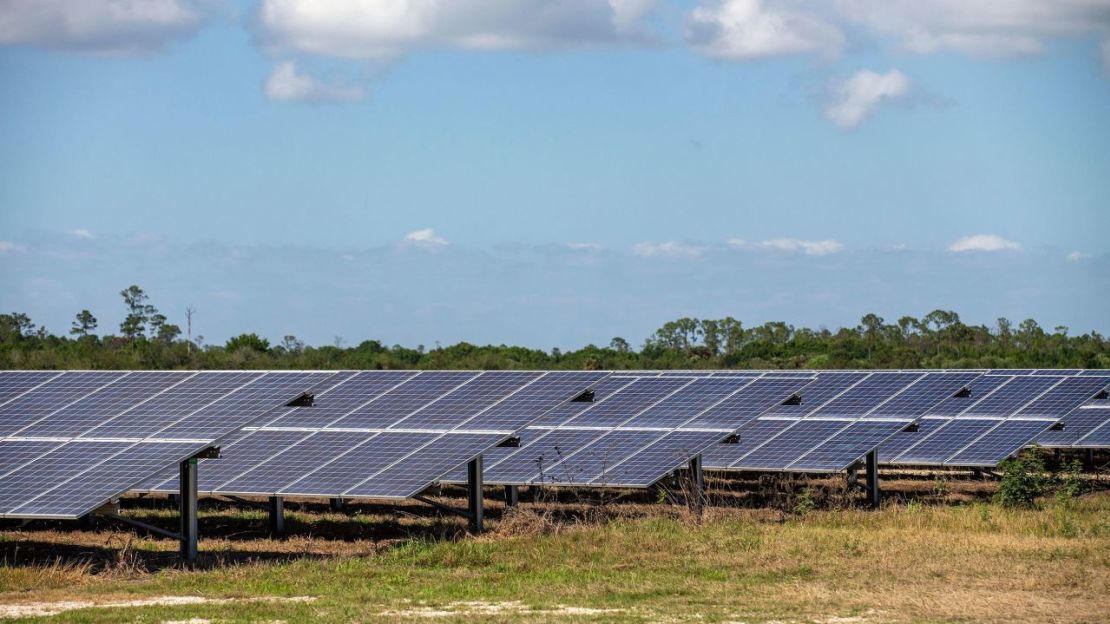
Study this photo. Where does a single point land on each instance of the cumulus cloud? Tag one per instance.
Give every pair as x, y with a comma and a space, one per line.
590, 247
99, 26
856, 98
288, 84
984, 242
746, 29
749, 29
790, 245
7, 247
426, 238
82, 233
669, 249
1076, 256
377, 29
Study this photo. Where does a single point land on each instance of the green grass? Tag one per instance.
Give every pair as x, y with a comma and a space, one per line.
916, 563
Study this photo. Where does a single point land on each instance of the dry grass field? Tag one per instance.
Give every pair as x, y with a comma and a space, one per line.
767, 550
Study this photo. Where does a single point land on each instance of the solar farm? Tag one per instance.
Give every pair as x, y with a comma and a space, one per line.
143, 453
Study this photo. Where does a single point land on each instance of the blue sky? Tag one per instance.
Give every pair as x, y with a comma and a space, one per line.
554, 173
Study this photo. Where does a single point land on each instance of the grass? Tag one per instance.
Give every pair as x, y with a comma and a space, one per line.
621, 560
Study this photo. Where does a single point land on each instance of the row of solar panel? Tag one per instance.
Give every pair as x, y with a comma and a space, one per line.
391, 433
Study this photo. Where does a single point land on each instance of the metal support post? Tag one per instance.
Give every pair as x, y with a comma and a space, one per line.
187, 497
335, 504
88, 521
474, 494
277, 515
697, 485
872, 469
512, 496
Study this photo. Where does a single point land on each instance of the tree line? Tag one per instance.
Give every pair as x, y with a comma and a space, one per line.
147, 340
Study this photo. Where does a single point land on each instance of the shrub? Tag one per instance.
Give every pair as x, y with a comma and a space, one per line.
1024, 480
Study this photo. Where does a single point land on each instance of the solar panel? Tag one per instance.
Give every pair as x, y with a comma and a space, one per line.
835, 421
380, 434
638, 430
79, 439
1006, 413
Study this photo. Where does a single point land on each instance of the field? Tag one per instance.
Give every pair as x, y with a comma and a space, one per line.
938, 551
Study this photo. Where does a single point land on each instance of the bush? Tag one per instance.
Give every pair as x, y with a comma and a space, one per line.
1071, 482
1024, 480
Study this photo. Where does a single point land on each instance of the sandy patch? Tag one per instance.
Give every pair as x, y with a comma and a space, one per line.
491, 608
40, 609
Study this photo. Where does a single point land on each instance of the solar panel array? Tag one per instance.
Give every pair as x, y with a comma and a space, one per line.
73, 441
835, 421
640, 428
382, 434
1002, 414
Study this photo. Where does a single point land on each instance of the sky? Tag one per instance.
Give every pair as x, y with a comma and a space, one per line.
552, 173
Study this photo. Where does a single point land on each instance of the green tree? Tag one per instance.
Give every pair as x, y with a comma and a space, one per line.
84, 324
138, 312
250, 341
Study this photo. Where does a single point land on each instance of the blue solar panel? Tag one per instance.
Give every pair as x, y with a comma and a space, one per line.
1011, 396
594, 458
894, 446
946, 441
100, 481
846, 447
979, 388
695, 398
454, 408
1097, 438
348, 395
172, 405
750, 401
538, 454
1069, 394
664, 455
722, 456
104, 404
53, 395
1007, 438
815, 394
15, 383
917, 399
782, 450
521, 408
395, 405
866, 395
424, 466
358, 463
630, 401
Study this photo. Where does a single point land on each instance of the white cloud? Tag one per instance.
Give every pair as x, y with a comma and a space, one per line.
82, 233
856, 98
591, 247
1076, 256
994, 28
7, 247
790, 245
748, 29
99, 26
426, 237
287, 84
984, 242
381, 29
669, 249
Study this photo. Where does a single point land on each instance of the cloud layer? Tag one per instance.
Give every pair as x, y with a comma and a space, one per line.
382, 29
855, 99
984, 242
114, 27
288, 84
